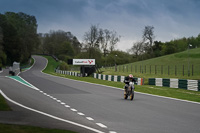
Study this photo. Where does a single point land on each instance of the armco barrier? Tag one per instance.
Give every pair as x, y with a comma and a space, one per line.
198, 85
152, 81
182, 83
193, 85
116, 78
166, 82
173, 83
158, 81
68, 73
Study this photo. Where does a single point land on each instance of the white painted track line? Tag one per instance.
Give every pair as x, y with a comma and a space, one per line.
67, 106
73, 110
49, 115
79, 113
89, 118
112, 132
101, 125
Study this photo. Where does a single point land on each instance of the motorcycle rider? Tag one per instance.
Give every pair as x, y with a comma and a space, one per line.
128, 79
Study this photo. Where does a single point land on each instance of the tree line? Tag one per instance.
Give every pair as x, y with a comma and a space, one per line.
148, 47
63, 45
18, 37
97, 43
100, 44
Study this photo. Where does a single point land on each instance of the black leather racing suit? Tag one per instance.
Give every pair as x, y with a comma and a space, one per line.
127, 80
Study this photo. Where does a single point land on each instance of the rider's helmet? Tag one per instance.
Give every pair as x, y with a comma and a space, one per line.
130, 76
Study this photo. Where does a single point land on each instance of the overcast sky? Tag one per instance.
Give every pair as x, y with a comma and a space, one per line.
171, 19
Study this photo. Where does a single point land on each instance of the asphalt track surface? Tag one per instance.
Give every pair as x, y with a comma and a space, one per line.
110, 113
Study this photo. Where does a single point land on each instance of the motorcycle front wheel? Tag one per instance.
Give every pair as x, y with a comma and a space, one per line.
132, 96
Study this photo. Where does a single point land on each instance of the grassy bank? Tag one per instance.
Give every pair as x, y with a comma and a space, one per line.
52, 64
7, 128
3, 105
169, 66
161, 91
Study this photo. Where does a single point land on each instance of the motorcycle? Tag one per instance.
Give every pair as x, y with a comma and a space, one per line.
129, 91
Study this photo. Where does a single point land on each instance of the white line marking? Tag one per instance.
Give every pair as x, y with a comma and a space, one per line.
32, 86
73, 110
67, 106
89, 118
168, 98
41, 91
45, 65
51, 116
62, 103
22, 83
1, 71
45, 93
101, 125
79, 113
58, 101
112, 132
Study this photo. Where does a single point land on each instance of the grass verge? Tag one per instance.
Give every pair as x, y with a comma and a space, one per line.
52, 64
168, 66
7, 128
27, 65
161, 91
3, 105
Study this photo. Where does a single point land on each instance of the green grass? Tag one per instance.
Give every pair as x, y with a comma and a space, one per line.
178, 60
52, 64
27, 65
7, 128
161, 91
3, 105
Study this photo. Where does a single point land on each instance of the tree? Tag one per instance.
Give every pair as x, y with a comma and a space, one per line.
198, 40
148, 36
157, 48
1, 36
91, 39
66, 48
76, 45
2, 54
11, 43
168, 48
19, 35
118, 57
104, 39
114, 39
137, 48
64, 45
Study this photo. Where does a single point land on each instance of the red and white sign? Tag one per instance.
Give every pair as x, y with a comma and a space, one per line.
83, 61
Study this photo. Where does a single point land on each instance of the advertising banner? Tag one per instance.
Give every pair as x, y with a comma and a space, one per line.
83, 61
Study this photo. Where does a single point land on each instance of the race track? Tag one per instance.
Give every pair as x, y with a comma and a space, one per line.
100, 108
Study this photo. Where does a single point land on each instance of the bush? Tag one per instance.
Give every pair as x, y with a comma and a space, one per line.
64, 66
64, 57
